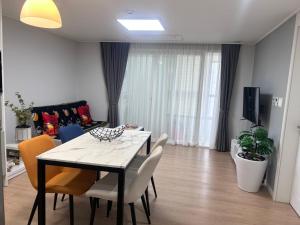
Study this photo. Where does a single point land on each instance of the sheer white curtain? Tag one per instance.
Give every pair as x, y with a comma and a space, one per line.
174, 89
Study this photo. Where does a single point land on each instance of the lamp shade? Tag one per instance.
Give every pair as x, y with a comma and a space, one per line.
41, 13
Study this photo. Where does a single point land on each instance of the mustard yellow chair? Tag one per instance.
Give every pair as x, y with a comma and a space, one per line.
58, 179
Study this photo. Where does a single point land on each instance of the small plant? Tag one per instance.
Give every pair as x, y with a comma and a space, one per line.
255, 144
23, 112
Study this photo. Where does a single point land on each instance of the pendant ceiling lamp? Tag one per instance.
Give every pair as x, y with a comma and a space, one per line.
41, 13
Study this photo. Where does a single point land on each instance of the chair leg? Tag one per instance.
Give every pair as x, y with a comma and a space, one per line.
63, 197
98, 175
147, 200
55, 200
109, 205
133, 218
93, 212
35, 204
153, 185
71, 203
91, 202
145, 209
98, 203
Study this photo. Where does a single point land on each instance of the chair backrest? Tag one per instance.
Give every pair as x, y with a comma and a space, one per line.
31, 148
146, 170
161, 141
69, 132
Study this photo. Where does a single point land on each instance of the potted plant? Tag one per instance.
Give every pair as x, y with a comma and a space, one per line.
23, 115
251, 163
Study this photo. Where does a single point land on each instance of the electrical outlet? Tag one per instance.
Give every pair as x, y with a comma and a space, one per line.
275, 101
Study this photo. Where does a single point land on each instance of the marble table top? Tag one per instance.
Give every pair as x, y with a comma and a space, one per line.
88, 150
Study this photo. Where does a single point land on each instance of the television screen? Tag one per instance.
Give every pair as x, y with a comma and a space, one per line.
251, 104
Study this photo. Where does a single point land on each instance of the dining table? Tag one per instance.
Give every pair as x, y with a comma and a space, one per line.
88, 152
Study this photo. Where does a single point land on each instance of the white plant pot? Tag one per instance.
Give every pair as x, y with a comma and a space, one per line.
250, 173
23, 134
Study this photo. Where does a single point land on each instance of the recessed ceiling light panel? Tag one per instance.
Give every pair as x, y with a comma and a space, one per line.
141, 24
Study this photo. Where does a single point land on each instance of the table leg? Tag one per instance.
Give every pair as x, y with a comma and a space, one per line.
41, 193
120, 203
148, 145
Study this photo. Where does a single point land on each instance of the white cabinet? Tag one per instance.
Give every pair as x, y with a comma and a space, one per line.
295, 197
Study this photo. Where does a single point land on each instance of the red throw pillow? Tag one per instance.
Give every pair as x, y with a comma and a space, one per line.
84, 113
50, 124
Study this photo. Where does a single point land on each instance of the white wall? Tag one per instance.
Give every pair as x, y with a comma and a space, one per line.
91, 84
243, 79
48, 69
290, 134
270, 73
2, 150
40, 65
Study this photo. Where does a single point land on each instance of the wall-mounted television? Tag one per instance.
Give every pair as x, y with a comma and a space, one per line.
251, 104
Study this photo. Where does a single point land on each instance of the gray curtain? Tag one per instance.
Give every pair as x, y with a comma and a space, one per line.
229, 61
114, 60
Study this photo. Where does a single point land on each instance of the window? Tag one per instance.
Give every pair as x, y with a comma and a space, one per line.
174, 89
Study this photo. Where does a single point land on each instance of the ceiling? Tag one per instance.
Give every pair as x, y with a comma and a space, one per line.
188, 21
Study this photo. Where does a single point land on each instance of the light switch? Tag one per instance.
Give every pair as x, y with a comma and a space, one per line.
280, 101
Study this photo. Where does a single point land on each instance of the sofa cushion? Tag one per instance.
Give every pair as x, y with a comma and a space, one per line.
50, 124
69, 116
85, 116
58, 113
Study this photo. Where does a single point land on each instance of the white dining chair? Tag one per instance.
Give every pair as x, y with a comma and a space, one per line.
136, 164
135, 184
138, 161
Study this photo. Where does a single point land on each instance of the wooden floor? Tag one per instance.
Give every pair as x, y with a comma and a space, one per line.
195, 186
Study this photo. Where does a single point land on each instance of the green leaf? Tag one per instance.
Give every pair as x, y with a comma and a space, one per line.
256, 142
23, 113
261, 133
246, 143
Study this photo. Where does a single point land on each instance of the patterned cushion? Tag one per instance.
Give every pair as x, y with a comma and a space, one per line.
84, 113
50, 124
